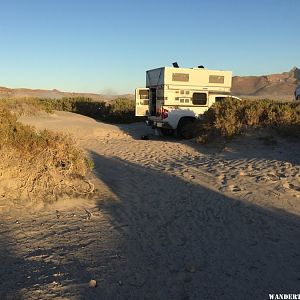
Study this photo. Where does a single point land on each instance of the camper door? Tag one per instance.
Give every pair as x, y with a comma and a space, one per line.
141, 102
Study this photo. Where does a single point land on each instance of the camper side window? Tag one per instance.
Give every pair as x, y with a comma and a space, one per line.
199, 98
144, 94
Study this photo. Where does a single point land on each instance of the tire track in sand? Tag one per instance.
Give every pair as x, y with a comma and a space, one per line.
183, 224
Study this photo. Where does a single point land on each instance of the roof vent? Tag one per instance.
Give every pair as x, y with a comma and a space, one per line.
175, 64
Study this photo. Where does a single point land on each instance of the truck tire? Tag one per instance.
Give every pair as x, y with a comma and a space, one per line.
185, 128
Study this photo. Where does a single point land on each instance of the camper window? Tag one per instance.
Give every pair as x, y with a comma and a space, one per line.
144, 102
199, 98
216, 79
180, 77
144, 94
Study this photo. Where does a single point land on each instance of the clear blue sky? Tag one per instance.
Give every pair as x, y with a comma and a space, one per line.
106, 46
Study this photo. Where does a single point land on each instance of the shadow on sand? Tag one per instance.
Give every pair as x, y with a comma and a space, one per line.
37, 275
183, 241
176, 240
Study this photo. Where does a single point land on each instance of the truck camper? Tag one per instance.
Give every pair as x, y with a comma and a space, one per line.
175, 97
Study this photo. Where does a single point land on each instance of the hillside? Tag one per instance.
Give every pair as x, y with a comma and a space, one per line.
51, 94
278, 86
273, 86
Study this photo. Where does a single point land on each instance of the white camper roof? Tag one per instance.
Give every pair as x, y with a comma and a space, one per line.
193, 77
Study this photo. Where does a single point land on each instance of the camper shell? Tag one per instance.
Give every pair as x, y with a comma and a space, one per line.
172, 94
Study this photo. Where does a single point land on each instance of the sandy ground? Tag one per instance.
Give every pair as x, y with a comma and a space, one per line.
174, 220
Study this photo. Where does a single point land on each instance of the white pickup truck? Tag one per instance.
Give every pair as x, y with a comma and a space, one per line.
175, 97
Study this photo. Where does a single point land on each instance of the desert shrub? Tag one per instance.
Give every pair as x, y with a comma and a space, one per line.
96, 110
120, 110
23, 106
285, 115
122, 105
81, 105
40, 164
231, 117
64, 104
255, 113
223, 118
228, 120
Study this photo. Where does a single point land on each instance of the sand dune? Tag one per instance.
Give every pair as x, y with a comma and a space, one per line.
174, 220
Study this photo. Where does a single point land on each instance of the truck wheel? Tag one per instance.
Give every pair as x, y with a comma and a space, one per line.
185, 129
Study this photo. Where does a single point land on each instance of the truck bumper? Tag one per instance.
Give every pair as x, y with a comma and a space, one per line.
158, 124
162, 125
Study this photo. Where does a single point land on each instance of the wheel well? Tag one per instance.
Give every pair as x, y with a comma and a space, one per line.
186, 119
182, 130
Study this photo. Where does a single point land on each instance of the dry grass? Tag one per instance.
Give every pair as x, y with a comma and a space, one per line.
39, 165
232, 117
23, 106
120, 110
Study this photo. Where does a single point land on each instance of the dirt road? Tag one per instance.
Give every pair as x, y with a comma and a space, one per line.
174, 220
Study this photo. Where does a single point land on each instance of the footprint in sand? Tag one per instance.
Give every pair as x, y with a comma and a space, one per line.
234, 188
222, 178
292, 187
272, 176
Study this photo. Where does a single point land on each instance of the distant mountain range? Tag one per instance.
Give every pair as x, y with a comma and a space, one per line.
274, 86
53, 94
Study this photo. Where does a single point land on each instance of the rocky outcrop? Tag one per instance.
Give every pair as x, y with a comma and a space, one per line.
273, 86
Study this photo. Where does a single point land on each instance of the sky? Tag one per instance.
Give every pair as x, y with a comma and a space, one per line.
106, 46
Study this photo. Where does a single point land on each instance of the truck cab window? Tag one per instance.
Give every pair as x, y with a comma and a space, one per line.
219, 99
200, 99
